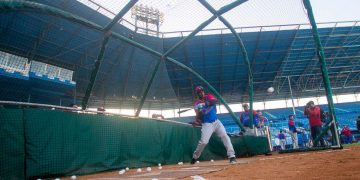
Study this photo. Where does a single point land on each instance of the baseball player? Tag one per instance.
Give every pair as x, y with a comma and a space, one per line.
210, 124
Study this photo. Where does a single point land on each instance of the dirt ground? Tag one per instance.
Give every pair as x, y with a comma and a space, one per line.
328, 164
325, 164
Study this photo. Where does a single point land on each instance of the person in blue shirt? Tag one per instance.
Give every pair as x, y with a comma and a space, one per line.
245, 117
210, 125
282, 139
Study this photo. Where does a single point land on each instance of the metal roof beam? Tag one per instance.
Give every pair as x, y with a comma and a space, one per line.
123, 11
221, 11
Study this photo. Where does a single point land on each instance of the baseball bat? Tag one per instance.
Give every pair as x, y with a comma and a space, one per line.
184, 110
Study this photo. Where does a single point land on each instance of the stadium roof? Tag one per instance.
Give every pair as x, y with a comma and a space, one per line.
275, 52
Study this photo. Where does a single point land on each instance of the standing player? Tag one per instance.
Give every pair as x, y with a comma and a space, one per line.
314, 115
293, 131
245, 117
210, 124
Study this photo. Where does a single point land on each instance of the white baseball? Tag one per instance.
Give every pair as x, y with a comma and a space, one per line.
212, 160
138, 170
159, 164
160, 167
126, 168
197, 162
270, 89
73, 177
148, 169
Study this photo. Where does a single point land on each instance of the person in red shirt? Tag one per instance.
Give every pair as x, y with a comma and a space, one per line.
314, 115
347, 133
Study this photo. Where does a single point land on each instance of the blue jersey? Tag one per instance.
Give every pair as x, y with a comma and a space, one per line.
245, 117
209, 114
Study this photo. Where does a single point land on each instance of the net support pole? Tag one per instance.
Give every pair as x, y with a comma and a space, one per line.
122, 12
143, 97
244, 53
94, 73
324, 72
107, 32
292, 97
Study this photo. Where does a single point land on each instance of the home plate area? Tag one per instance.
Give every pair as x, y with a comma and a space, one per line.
169, 171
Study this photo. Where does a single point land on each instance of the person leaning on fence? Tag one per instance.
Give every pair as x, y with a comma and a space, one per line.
293, 132
245, 117
314, 115
347, 133
261, 119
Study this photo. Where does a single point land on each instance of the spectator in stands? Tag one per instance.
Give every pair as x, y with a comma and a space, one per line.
101, 110
314, 115
358, 123
293, 131
347, 133
282, 139
245, 117
74, 106
160, 116
261, 119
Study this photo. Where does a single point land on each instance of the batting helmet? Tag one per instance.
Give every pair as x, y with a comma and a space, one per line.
199, 89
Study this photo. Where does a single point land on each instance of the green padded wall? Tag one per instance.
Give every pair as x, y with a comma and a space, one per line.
12, 150
66, 143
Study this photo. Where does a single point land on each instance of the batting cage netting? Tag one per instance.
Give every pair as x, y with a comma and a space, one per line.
84, 83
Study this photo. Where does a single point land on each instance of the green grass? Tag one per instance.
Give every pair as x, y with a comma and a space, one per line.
351, 145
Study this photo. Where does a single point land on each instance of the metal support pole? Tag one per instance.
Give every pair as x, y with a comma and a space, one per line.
107, 32
324, 72
122, 12
143, 97
94, 73
292, 98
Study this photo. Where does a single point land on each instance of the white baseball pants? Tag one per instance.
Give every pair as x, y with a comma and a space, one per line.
207, 130
294, 139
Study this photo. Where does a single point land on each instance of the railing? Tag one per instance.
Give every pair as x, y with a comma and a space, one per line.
73, 109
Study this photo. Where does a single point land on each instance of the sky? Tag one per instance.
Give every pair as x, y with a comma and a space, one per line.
186, 15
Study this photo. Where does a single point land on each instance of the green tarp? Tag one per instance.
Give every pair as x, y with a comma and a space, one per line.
65, 143
12, 147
